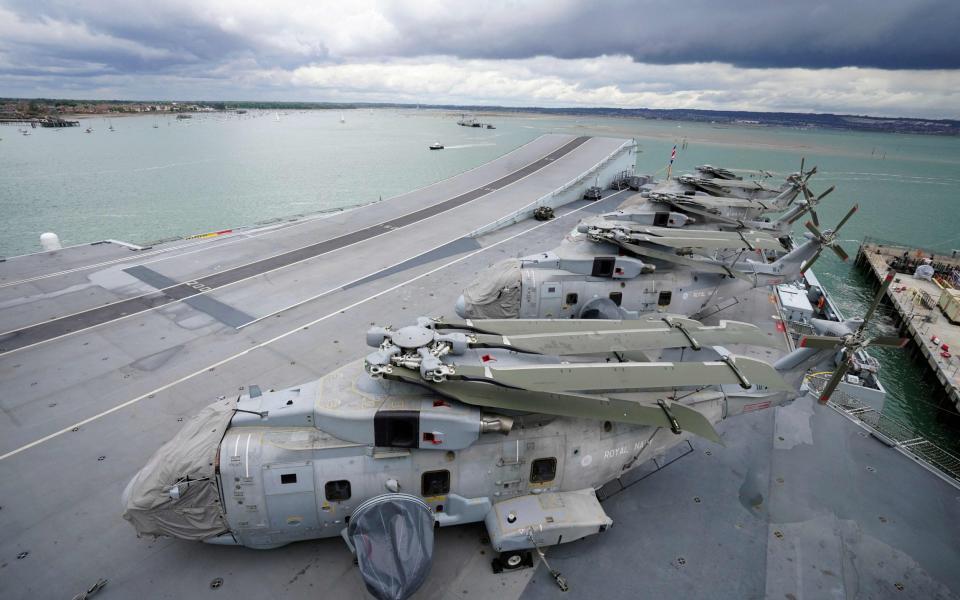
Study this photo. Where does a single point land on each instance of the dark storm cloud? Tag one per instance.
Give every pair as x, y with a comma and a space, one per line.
885, 34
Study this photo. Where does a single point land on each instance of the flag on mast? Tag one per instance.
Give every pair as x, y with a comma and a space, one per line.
673, 155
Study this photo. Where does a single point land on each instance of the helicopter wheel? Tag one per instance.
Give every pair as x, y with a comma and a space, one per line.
512, 561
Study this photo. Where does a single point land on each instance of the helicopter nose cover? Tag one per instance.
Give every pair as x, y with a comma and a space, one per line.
392, 535
187, 463
495, 294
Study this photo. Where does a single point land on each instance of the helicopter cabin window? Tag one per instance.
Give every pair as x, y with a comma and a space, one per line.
661, 219
664, 299
572, 299
617, 297
396, 428
286, 478
603, 266
337, 491
543, 470
435, 483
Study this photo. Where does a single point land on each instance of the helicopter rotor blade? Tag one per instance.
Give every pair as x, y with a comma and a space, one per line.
846, 217
819, 342
888, 341
835, 380
809, 263
814, 230
583, 377
668, 333
826, 192
876, 301
839, 251
813, 215
584, 406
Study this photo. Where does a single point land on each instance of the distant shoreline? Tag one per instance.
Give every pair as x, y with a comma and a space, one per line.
111, 108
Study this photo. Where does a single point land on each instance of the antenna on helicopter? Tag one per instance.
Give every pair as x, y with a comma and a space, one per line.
852, 343
828, 239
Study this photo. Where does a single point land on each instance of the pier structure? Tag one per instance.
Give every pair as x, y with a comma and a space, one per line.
935, 339
49, 121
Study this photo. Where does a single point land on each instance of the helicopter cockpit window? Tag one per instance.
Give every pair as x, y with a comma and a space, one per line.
572, 299
337, 490
435, 483
543, 470
665, 298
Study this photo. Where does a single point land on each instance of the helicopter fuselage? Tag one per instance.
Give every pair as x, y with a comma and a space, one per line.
284, 484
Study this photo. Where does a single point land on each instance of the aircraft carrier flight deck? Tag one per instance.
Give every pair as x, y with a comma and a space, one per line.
106, 348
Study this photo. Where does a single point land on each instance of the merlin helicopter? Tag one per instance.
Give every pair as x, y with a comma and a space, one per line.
513, 423
620, 269
715, 181
741, 210
668, 209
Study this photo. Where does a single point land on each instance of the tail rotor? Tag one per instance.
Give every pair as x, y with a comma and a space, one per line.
852, 343
828, 238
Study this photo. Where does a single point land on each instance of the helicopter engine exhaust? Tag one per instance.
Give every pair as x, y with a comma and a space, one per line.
496, 424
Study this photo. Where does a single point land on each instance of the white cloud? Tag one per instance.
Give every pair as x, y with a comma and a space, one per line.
617, 81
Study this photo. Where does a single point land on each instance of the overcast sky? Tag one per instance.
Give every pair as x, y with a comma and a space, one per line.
878, 57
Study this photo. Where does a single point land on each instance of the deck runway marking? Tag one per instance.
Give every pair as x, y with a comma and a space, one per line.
46, 331
276, 338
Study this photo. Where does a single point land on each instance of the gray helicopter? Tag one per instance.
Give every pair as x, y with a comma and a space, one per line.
732, 206
620, 269
513, 423
719, 182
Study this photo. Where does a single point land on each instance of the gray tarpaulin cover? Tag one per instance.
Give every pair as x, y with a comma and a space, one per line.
189, 456
496, 292
924, 272
392, 535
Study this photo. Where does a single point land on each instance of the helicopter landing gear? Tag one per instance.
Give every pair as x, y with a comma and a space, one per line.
512, 561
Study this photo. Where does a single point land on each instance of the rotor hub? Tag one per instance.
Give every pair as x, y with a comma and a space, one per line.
413, 336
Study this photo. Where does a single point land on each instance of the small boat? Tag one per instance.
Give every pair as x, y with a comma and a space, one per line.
436, 146
342, 120
156, 126
489, 126
89, 130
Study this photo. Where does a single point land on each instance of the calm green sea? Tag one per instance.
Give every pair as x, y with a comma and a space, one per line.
156, 177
